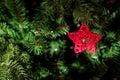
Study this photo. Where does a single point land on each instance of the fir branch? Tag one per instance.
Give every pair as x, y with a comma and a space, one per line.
18, 13
16, 9
46, 20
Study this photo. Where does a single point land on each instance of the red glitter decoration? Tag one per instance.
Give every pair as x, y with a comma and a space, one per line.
84, 39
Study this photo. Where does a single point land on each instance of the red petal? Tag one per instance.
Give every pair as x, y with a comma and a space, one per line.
91, 48
79, 48
84, 28
97, 37
74, 36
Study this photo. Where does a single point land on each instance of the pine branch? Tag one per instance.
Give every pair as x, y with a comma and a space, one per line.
16, 9
48, 25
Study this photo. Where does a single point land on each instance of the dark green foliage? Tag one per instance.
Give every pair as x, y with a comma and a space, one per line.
34, 44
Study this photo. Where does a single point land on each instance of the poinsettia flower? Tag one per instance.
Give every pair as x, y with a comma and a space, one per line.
84, 39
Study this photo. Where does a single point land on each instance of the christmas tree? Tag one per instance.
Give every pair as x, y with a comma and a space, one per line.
59, 40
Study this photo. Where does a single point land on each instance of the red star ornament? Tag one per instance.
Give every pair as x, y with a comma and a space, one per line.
84, 39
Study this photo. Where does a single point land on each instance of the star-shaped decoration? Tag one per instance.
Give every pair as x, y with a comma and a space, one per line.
84, 39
